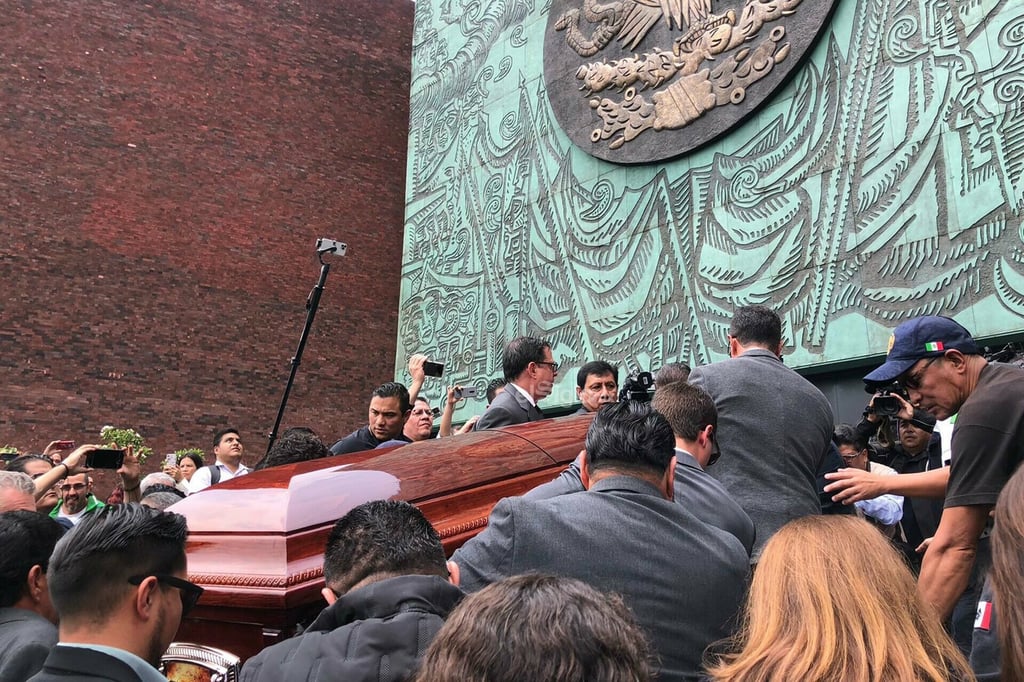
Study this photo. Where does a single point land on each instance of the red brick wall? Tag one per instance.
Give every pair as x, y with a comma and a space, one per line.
165, 170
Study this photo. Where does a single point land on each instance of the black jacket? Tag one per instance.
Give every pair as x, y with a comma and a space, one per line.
75, 664
376, 633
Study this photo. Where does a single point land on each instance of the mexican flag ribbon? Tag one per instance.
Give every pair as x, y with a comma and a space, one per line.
933, 346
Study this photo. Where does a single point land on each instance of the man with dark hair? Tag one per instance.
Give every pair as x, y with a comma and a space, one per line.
673, 371
227, 453
27, 618
388, 593
530, 372
118, 583
495, 387
683, 578
597, 384
389, 409
884, 511
77, 499
939, 364
295, 445
691, 414
420, 423
775, 427
503, 633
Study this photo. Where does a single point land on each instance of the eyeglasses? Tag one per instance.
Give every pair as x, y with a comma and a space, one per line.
190, 592
912, 382
552, 365
68, 487
421, 413
716, 452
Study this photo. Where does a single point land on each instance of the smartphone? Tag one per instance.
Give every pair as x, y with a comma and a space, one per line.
64, 445
170, 460
104, 459
433, 369
465, 392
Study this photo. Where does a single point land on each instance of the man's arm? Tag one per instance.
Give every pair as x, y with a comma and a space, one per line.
853, 485
418, 376
947, 564
445, 429
569, 481
72, 464
495, 416
487, 558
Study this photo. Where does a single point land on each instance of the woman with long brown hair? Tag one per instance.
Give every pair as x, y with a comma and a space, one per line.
1008, 576
832, 601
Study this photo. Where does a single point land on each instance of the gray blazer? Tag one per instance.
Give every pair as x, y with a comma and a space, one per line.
683, 579
695, 489
510, 407
774, 430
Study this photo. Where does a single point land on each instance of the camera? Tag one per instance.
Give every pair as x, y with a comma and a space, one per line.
637, 386
886, 403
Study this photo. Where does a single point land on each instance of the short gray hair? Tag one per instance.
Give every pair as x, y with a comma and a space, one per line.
17, 481
156, 478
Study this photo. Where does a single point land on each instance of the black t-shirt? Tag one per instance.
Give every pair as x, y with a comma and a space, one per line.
988, 438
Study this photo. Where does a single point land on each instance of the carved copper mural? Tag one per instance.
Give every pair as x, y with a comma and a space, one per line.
884, 180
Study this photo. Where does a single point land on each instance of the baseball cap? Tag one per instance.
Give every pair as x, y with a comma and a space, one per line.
921, 337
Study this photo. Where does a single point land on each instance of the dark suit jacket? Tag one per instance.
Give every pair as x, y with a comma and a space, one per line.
774, 430
75, 664
510, 407
695, 489
683, 579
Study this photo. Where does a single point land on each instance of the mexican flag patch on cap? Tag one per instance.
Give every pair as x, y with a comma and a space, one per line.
933, 346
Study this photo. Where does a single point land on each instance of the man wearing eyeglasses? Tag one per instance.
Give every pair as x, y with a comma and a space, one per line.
530, 370
941, 367
118, 582
76, 500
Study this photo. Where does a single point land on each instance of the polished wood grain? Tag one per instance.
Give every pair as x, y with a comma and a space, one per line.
256, 542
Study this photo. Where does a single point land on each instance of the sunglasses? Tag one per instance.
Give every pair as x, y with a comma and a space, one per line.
190, 592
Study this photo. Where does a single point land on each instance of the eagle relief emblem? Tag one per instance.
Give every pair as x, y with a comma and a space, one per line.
635, 81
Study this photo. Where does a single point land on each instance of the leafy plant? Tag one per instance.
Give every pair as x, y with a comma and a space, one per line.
123, 438
180, 454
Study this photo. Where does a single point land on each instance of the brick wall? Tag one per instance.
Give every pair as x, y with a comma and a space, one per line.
165, 170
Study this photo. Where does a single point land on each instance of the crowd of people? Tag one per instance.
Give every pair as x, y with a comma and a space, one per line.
726, 529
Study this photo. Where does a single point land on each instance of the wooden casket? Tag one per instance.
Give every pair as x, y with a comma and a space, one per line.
256, 542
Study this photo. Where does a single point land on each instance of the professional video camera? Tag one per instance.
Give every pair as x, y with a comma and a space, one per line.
886, 404
637, 386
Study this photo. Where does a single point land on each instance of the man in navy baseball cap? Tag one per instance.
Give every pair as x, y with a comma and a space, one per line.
921, 337
941, 368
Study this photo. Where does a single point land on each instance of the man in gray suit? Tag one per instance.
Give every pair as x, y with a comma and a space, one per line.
775, 427
683, 578
691, 414
530, 371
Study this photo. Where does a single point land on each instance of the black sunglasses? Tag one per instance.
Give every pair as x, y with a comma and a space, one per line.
190, 592
716, 453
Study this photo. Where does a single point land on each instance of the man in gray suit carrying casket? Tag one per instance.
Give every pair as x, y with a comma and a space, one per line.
775, 426
684, 579
530, 371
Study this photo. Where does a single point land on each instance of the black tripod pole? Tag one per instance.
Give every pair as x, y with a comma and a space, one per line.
312, 303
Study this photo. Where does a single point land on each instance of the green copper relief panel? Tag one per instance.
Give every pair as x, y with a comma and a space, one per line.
884, 180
